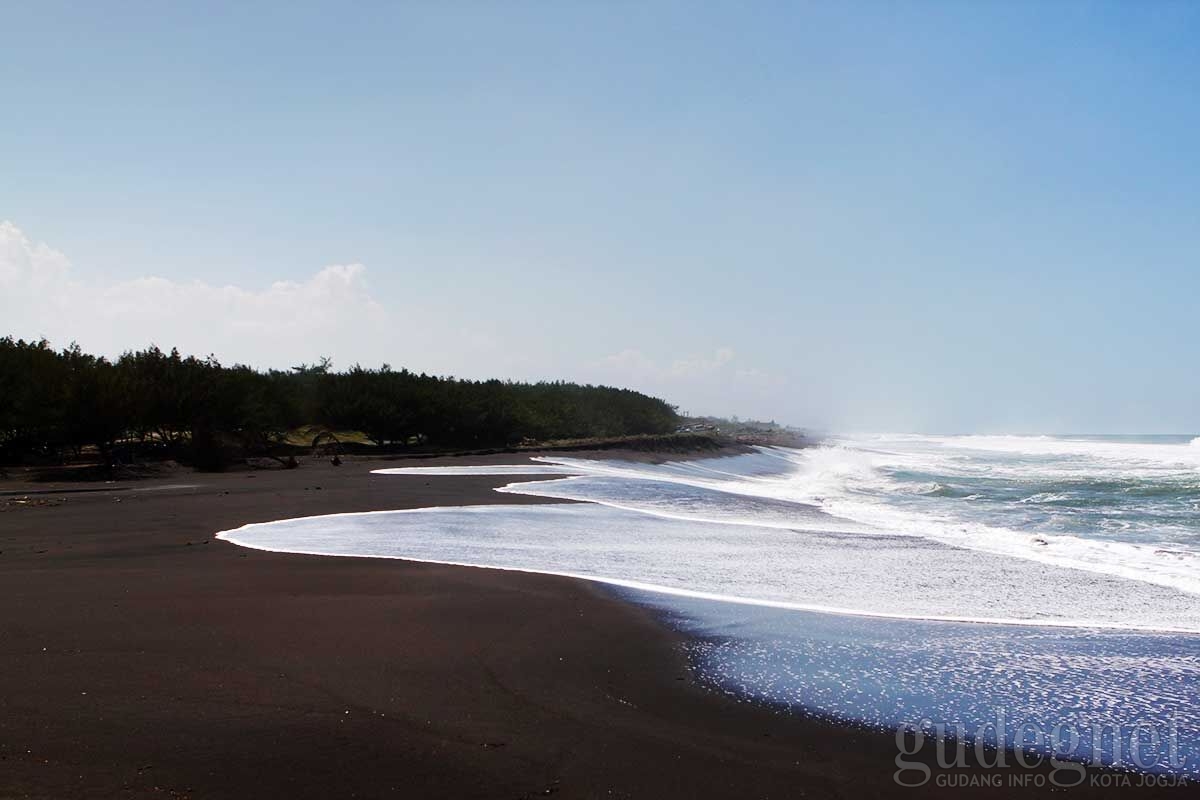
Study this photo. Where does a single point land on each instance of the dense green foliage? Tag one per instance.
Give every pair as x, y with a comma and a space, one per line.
53, 402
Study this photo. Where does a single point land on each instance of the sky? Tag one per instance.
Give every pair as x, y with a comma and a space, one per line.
913, 216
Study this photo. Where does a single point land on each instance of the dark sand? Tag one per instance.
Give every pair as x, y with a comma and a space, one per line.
140, 657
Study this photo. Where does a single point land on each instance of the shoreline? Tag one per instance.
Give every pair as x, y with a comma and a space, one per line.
150, 658
640, 587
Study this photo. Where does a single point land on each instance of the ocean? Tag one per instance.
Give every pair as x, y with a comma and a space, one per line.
889, 580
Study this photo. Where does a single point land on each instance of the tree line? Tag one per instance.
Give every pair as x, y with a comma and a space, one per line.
57, 402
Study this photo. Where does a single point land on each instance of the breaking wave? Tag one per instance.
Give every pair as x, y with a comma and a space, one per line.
1031, 530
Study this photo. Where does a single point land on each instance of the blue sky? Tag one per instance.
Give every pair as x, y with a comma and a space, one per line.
904, 216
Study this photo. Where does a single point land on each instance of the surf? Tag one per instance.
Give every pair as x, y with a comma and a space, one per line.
769, 528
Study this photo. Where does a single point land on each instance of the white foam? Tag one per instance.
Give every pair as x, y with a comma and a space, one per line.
1133, 562
914, 550
1156, 560
782, 488
834, 573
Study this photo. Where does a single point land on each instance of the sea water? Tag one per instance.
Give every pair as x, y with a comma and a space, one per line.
890, 580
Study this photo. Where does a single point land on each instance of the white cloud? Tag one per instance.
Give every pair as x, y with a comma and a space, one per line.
23, 262
699, 366
711, 381
330, 313
630, 362
635, 363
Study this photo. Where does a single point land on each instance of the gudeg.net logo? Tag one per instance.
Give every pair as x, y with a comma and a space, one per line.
1000, 753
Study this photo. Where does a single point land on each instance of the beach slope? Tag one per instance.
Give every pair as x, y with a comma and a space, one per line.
141, 657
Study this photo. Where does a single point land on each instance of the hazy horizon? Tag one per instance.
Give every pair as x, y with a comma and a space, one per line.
976, 217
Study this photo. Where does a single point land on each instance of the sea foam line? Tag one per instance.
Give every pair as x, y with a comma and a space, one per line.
817, 482
232, 537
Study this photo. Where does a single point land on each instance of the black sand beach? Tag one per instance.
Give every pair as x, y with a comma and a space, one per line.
139, 657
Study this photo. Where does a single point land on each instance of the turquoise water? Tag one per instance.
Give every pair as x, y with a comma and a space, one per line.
1125, 504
